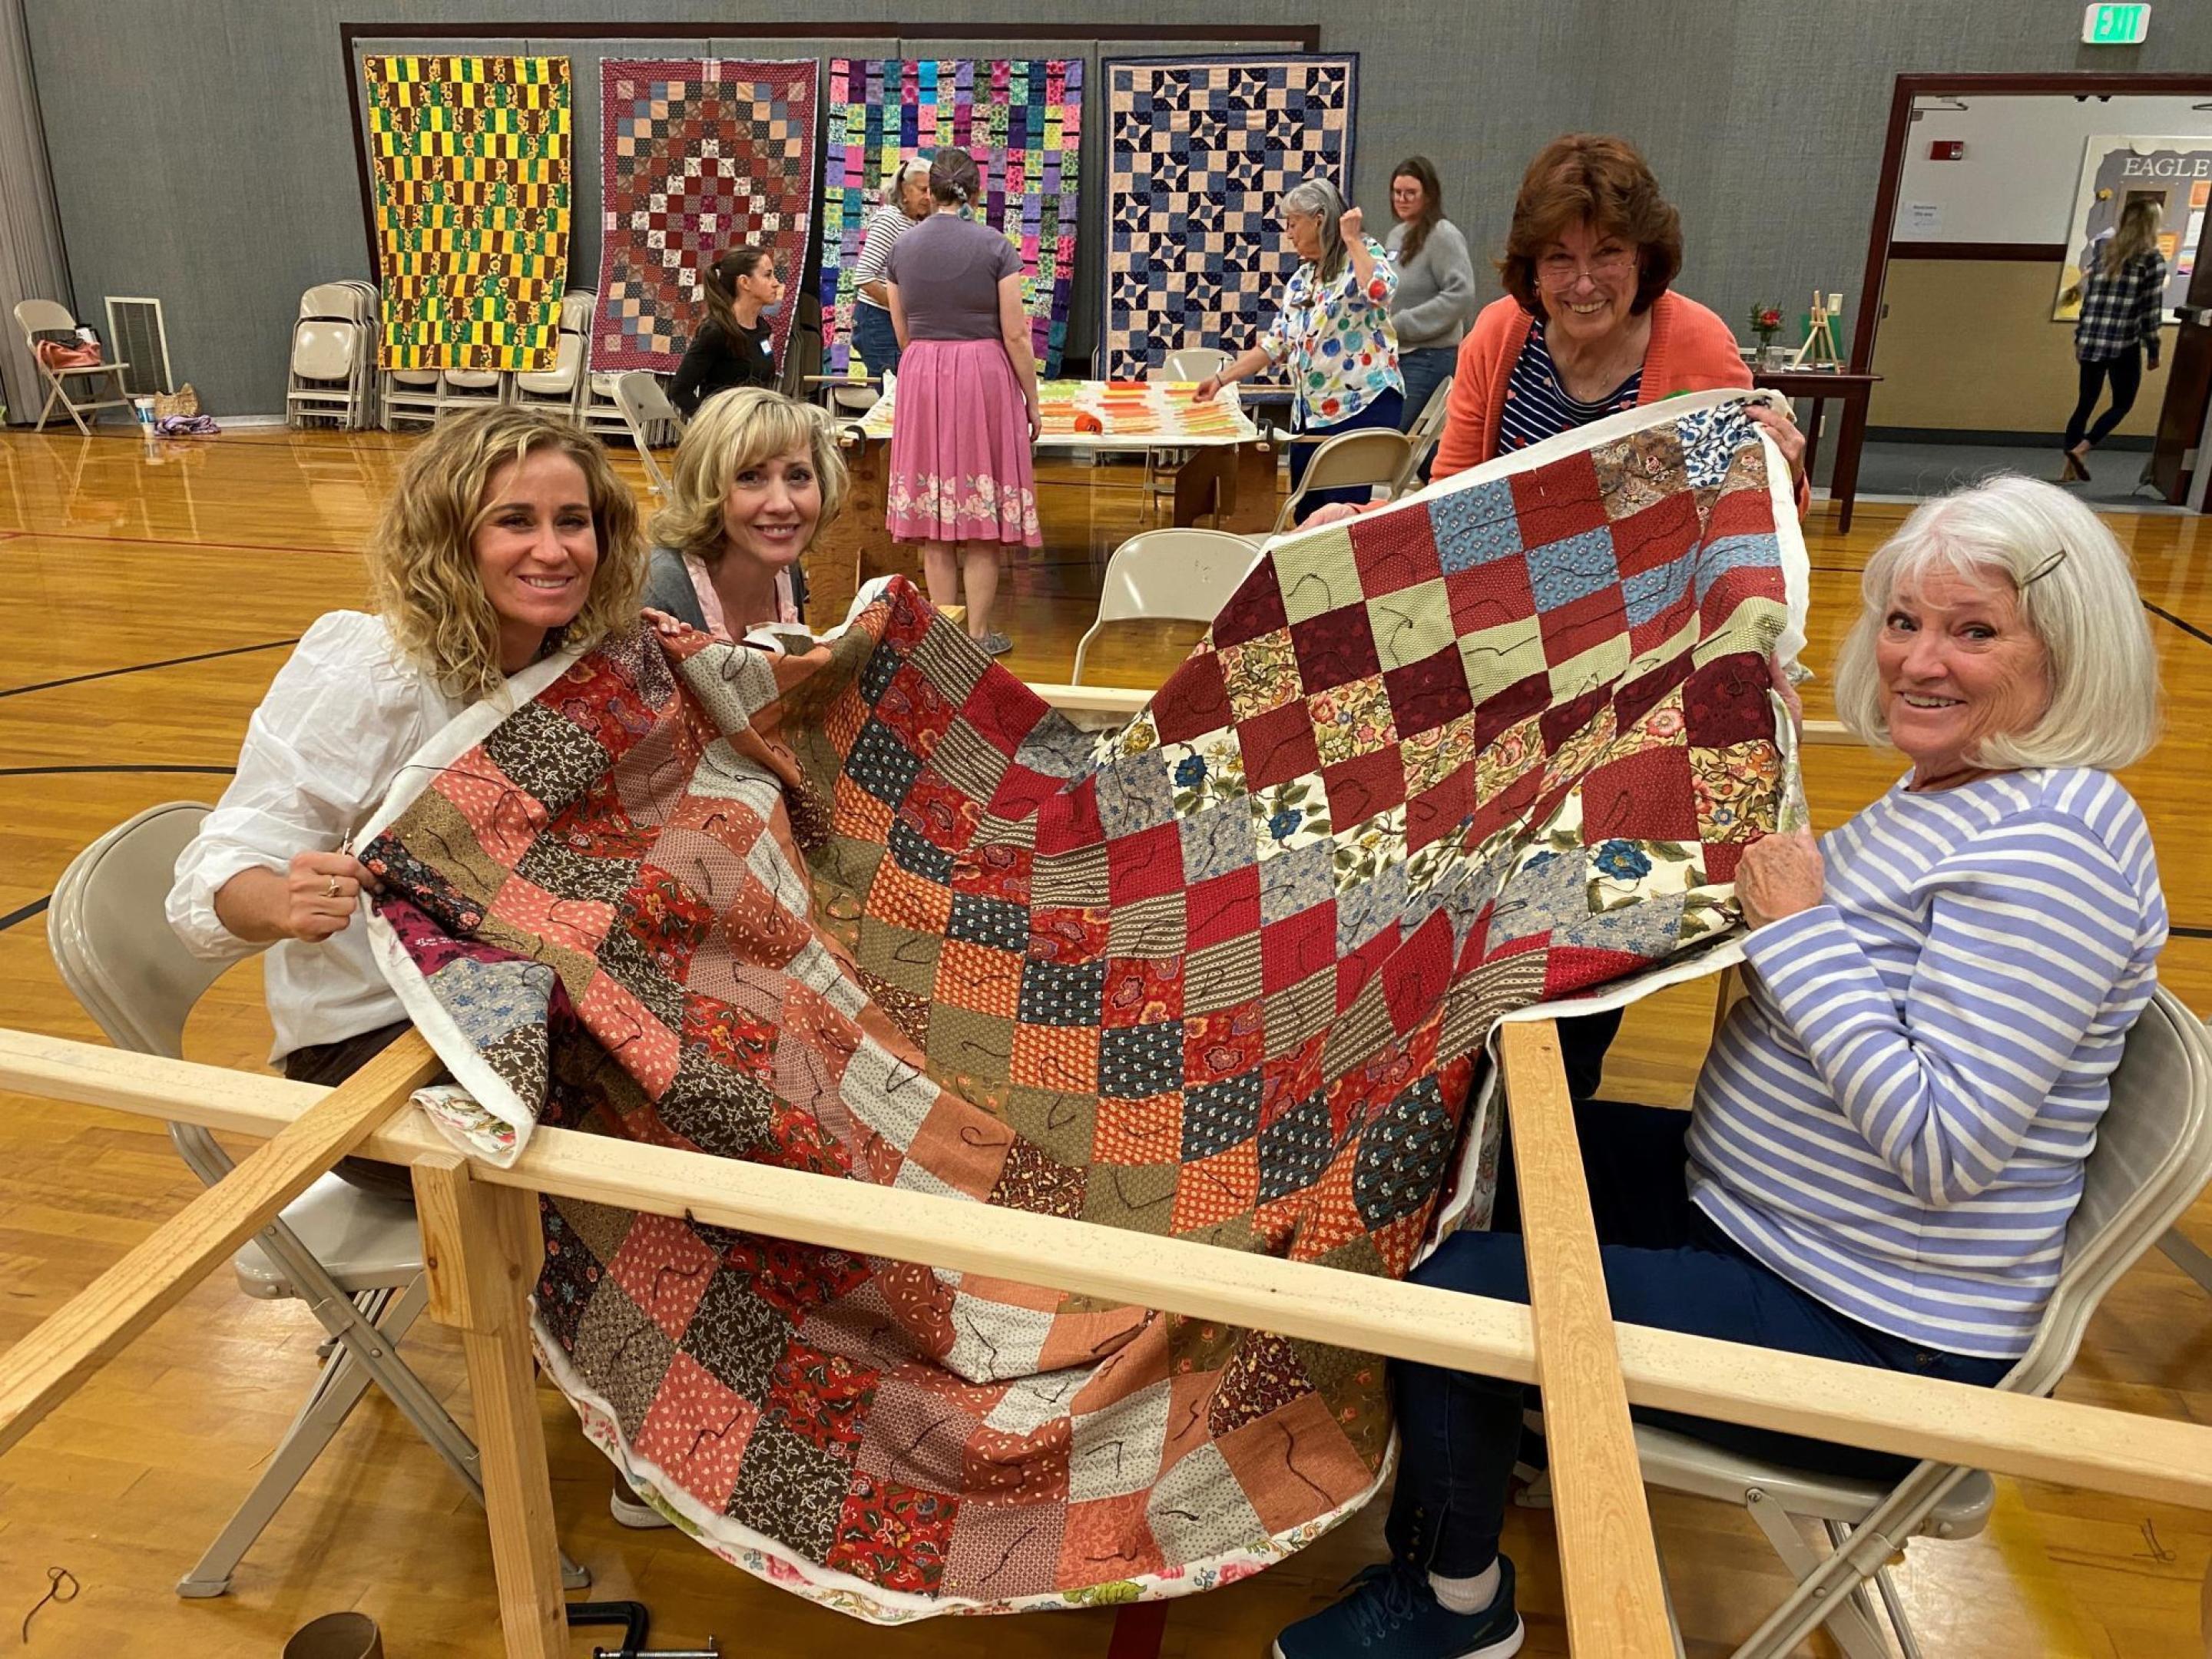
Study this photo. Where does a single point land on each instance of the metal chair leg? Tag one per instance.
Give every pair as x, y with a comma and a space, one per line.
1894, 1604
337, 1390
1852, 1633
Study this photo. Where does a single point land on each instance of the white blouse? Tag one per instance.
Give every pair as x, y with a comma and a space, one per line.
342, 717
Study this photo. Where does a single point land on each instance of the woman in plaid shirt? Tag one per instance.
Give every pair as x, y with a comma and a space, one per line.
2121, 304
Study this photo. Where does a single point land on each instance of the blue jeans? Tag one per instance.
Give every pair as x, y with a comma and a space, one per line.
1382, 412
875, 339
1665, 1265
1425, 370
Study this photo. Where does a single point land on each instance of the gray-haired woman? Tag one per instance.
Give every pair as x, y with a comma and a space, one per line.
905, 204
1887, 1139
1333, 336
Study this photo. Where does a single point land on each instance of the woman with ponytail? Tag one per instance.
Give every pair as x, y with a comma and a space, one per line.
734, 347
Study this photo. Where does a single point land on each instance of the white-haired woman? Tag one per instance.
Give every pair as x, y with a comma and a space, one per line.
1333, 336
905, 204
756, 476
1887, 1139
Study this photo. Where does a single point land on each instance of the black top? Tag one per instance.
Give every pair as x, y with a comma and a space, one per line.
718, 361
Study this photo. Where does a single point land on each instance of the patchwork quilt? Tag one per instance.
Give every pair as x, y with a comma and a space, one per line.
697, 157
470, 159
1021, 118
1198, 151
871, 909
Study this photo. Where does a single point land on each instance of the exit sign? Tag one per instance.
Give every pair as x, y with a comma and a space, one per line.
2115, 25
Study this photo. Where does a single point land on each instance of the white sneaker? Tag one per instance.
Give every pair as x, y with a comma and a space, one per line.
633, 1512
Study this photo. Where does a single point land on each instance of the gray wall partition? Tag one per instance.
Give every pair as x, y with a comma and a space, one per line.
201, 151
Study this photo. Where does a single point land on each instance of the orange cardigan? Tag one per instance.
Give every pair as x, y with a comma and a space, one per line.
1691, 349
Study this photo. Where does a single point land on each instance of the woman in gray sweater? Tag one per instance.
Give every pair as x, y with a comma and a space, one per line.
1436, 283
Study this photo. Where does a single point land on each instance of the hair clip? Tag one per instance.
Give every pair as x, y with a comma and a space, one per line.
2043, 569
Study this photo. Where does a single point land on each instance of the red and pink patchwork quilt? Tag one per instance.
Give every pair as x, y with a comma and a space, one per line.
871, 909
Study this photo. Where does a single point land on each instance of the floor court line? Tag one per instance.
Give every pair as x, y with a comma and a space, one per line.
140, 668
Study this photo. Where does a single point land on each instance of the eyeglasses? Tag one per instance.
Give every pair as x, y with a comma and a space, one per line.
1559, 270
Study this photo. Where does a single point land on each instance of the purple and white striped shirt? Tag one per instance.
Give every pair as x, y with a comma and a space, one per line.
1895, 1119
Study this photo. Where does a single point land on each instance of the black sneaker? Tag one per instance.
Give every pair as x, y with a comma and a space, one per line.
1390, 1613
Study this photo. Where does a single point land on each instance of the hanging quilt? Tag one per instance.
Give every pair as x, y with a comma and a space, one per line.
1198, 152
871, 909
697, 158
470, 159
1021, 118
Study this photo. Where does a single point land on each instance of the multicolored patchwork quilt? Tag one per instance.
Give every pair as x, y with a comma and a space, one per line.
871, 909
697, 157
1198, 152
470, 162
1021, 118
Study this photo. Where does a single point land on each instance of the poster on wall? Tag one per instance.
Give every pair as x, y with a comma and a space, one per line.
2115, 169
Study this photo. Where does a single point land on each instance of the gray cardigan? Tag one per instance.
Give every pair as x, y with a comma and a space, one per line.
1435, 300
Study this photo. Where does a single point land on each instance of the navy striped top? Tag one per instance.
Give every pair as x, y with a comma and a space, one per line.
1895, 1119
1537, 407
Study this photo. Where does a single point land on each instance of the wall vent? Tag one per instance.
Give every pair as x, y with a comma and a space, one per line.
135, 337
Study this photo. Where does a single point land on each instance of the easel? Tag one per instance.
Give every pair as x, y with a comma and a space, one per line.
1819, 349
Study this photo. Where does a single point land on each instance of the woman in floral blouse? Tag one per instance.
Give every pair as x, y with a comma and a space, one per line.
1334, 334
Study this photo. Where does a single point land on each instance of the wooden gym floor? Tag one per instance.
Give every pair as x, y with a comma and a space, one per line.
145, 607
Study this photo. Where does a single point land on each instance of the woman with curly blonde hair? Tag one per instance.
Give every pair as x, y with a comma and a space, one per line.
508, 537
757, 476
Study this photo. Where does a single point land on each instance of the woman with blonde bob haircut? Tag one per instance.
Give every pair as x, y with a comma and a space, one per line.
507, 537
757, 476
1887, 1141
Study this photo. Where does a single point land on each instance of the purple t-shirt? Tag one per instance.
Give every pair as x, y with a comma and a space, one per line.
947, 270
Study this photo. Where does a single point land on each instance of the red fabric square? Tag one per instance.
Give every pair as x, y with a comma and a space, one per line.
1414, 978
1510, 707
1429, 692
1556, 501
1287, 1080
1225, 1044
1303, 944
1725, 702
1069, 821
1068, 932
1508, 804
1660, 534
1644, 797
1393, 550
1360, 788
895, 1536
945, 815
1740, 512
1255, 609
823, 1398
1356, 967
1655, 631
697, 1430
1143, 864
1223, 908
1004, 710
910, 615
1141, 993
1021, 791
1109, 1537
1637, 697
914, 707
1435, 813
1721, 859
1576, 626
1731, 588
1335, 648
1563, 722
1196, 700
1493, 595
1278, 745
995, 871
1571, 968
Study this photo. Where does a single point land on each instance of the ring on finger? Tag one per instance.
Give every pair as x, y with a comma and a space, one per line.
330, 887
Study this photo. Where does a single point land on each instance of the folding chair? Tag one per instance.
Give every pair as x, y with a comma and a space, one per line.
411, 394
1372, 455
1428, 430
2154, 1155
647, 412
333, 337
1186, 574
35, 317
356, 1260
562, 386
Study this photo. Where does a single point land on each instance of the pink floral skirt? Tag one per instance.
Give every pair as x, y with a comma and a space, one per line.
960, 448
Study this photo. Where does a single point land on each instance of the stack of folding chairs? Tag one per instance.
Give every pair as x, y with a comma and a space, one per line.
333, 357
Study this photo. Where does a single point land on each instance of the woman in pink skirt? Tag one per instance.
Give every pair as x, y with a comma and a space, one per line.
965, 412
